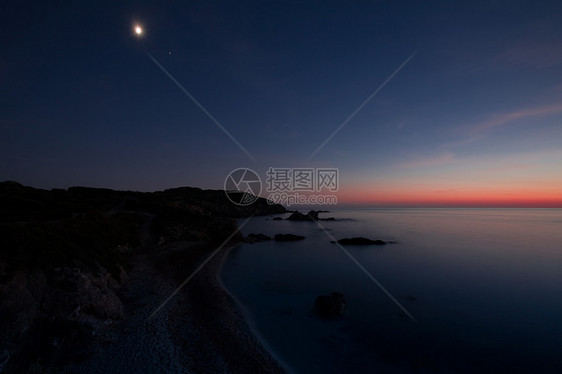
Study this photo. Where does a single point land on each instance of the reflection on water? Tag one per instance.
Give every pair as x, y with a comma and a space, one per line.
484, 285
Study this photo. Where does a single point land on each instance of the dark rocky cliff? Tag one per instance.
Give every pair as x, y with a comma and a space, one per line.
64, 253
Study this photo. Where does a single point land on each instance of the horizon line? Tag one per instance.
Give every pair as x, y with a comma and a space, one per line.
516, 203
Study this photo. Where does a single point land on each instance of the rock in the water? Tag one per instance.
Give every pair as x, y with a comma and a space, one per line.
277, 219
360, 241
287, 237
254, 238
330, 305
298, 216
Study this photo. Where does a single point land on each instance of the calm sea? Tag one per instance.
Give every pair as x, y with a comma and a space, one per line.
484, 285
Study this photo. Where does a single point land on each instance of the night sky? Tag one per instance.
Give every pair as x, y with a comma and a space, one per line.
474, 117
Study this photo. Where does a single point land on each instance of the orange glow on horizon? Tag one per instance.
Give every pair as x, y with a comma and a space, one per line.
423, 196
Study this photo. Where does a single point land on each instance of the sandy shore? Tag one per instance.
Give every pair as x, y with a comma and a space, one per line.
200, 330
223, 341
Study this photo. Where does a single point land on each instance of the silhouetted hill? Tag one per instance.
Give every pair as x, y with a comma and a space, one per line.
22, 203
84, 226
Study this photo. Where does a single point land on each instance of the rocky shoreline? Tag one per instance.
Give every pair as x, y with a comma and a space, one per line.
200, 330
83, 270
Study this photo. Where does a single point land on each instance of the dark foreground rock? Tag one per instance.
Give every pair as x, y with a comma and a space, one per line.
75, 292
360, 241
54, 317
4, 358
330, 305
287, 237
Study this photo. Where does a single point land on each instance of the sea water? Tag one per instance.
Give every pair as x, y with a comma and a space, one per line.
483, 285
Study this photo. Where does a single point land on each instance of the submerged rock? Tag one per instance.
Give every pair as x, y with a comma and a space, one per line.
360, 241
330, 305
287, 237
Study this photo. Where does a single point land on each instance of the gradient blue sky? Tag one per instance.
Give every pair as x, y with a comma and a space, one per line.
475, 116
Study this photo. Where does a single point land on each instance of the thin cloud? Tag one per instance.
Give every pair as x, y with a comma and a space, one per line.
556, 88
443, 159
504, 118
480, 130
512, 167
401, 125
531, 53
